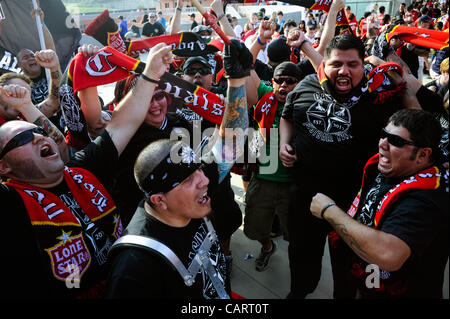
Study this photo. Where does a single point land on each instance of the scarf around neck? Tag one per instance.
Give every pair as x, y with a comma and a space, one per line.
375, 84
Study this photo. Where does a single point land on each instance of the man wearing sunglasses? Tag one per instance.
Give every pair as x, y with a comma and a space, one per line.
62, 218
398, 223
329, 129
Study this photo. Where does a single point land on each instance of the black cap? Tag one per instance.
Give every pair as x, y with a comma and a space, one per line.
288, 69
195, 59
278, 51
311, 25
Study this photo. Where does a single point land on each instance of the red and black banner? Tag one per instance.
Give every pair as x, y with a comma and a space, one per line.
185, 44
109, 65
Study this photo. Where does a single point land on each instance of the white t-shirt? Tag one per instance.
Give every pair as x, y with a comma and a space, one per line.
238, 30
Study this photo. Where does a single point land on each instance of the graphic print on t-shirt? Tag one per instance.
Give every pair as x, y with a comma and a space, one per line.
366, 217
99, 241
39, 91
328, 121
216, 258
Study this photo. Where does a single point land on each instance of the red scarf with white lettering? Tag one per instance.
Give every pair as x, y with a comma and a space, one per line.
45, 208
265, 111
429, 178
426, 179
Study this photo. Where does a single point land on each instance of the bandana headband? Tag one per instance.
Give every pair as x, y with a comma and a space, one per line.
169, 173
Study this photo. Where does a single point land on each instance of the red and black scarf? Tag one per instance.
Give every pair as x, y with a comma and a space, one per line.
426, 179
429, 178
264, 114
375, 83
45, 208
423, 37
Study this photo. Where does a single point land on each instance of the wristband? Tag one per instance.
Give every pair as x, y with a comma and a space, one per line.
301, 44
146, 78
325, 208
259, 41
221, 16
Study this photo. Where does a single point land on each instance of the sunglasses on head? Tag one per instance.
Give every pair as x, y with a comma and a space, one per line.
202, 71
395, 140
288, 81
21, 139
158, 96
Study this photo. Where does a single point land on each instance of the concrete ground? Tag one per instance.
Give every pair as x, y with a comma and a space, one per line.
274, 282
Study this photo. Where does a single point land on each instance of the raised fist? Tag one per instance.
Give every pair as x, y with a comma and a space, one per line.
237, 60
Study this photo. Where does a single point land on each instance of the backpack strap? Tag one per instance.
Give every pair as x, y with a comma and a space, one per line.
200, 261
158, 247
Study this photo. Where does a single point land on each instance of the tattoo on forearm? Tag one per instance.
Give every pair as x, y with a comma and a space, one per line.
54, 91
55, 75
348, 238
236, 114
230, 144
50, 128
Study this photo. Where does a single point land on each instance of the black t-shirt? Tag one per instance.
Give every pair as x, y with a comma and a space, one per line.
411, 59
8, 62
27, 264
420, 219
152, 30
138, 273
39, 91
333, 140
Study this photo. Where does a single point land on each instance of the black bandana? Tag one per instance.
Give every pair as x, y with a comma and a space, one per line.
171, 171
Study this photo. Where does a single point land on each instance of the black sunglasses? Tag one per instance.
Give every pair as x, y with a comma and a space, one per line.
22, 139
395, 140
193, 71
288, 81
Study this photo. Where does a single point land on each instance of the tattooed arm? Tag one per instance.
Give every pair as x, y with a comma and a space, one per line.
49, 60
374, 246
19, 97
230, 139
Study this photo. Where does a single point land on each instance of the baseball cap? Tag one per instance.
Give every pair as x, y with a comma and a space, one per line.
311, 25
194, 59
288, 69
278, 51
260, 15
